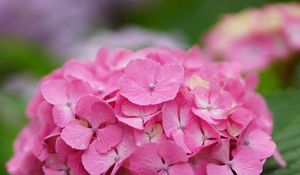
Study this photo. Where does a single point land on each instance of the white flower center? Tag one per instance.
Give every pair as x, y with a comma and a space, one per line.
152, 86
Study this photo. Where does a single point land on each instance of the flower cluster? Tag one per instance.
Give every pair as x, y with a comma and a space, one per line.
256, 37
152, 111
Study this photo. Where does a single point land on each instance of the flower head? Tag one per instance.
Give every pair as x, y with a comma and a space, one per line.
154, 111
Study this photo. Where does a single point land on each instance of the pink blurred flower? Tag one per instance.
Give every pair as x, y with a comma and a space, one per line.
255, 38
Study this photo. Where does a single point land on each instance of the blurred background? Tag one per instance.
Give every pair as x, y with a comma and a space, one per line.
38, 36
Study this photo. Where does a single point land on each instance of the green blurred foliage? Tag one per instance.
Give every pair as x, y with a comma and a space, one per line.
286, 112
17, 55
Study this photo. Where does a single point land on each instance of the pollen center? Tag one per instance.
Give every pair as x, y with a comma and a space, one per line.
151, 86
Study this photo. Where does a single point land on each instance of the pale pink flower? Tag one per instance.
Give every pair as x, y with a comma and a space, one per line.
99, 163
212, 104
180, 124
291, 31
63, 95
147, 82
96, 119
256, 38
243, 162
252, 53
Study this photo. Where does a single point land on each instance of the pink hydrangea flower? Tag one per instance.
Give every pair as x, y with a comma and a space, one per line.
97, 163
95, 119
243, 162
212, 103
63, 96
153, 111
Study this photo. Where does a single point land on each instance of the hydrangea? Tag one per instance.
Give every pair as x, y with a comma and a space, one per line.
152, 111
256, 37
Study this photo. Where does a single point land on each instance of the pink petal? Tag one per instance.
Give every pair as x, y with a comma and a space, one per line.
172, 153
135, 82
179, 138
75, 164
62, 115
77, 89
95, 111
133, 122
134, 115
169, 80
200, 166
95, 163
194, 137
220, 151
77, 70
279, 159
55, 91
181, 169
127, 145
256, 104
44, 114
258, 141
39, 149
245, 162
33, 103
125, 149
205, 115
76, 135
62, 149
213, 169
210, 134
240, 118
192, 61
108, 137
145, 158
201, 97
170, 118
130, 109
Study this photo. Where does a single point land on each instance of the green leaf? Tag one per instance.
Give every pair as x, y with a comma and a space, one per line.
285, 106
